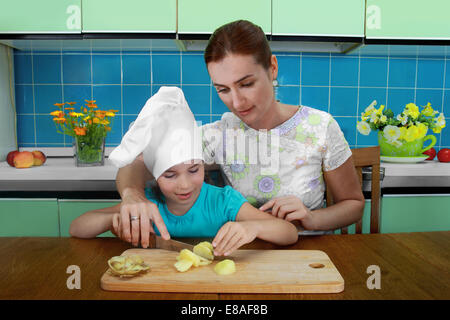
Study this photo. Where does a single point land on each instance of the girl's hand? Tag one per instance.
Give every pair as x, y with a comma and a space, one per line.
290, 208
233, 235
136, 216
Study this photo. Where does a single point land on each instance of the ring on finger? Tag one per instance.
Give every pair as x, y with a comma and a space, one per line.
133, 218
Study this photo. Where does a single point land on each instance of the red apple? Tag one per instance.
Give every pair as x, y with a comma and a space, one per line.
431, 153
23, 159
39, 158
444, 155
10, 157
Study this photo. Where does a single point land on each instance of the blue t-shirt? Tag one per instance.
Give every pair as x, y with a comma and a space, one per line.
213, 208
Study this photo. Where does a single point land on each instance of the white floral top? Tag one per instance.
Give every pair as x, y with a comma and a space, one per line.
287, 160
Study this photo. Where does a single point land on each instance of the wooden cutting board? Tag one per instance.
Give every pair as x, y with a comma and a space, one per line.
257, 271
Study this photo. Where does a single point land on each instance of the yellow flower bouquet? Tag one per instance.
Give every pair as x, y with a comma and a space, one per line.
403, 130
88, 127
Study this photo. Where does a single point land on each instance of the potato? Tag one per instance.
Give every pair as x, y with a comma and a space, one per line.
204, 262
127, 266
204, 251
187, 254
183, 265
225, 267
207, 244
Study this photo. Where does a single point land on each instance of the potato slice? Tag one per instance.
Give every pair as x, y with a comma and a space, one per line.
225, 267
183, 265
204, 261
204, 251
187, 254
207, 244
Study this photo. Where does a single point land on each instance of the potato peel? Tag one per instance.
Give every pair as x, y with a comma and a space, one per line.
127, 266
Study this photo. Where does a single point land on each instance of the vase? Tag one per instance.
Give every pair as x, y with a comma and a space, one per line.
89, 151
407, 149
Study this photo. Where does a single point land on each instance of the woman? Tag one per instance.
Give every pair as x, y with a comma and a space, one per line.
312, 147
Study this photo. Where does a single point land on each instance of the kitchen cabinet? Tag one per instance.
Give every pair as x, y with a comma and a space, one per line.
29, 217
43, 16
415, 213
204, 16
408, 19
327, 18
71, 209
135, 16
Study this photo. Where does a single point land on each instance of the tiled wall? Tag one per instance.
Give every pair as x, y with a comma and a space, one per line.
340, 84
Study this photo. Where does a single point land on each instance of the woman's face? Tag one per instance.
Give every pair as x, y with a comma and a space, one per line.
245, 87
181, 184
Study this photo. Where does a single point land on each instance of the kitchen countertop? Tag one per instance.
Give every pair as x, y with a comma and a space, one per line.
61, 174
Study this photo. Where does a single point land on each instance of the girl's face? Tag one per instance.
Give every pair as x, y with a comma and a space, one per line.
181, 184
245, 87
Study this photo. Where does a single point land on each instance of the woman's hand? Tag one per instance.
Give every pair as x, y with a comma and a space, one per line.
290, 208
233, 235
136, 216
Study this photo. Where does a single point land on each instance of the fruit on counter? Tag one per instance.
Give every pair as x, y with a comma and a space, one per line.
187, 258
225, 267
127, 266
10, 157
444, 155
431, 153
39, 158
23, 159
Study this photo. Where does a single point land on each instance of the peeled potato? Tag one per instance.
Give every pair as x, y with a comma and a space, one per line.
186, 254
225, 267
204, 251
207, 244
127, 266
183, 265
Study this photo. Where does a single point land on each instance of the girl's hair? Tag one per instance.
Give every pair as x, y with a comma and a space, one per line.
159, 195
239, 37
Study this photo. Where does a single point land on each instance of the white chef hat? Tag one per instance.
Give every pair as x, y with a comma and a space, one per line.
165, 131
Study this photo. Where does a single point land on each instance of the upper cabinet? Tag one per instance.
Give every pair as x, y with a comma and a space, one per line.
323, 18
408, 20
204, 16
130, 16
40, 17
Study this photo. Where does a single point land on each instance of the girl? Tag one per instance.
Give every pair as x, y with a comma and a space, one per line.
182, 205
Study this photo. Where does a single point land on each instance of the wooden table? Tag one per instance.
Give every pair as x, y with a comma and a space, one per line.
413, 266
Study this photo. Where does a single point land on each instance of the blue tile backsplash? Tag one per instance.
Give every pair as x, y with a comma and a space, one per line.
343, 85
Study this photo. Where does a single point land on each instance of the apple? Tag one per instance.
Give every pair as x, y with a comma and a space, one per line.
431, 153
444, 155
10, 157
39, 158
23, 159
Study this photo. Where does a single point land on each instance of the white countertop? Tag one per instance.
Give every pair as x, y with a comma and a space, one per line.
62, 174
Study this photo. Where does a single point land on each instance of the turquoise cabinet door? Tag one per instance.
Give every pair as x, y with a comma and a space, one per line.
408, 19
415, 213
43, 16
153, 16
29, 218
318, 18
204, 16
71, 209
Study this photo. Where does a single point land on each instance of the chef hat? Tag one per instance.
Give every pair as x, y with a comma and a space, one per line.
165, 131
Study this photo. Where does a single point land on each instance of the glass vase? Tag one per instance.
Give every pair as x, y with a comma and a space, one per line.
88, 151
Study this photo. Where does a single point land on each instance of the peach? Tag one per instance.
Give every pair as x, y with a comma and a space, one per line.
10, 157
23, 159
39, 158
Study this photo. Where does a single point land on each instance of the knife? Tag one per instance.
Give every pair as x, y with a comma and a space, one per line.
157, 242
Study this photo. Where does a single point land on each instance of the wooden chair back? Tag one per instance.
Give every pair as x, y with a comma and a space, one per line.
366, 157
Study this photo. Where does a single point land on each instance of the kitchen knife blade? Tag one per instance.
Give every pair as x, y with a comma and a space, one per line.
158, 242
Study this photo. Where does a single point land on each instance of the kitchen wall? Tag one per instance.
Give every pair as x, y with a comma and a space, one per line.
343, 85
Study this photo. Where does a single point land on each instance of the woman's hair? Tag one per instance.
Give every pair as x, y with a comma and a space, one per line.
239, 37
